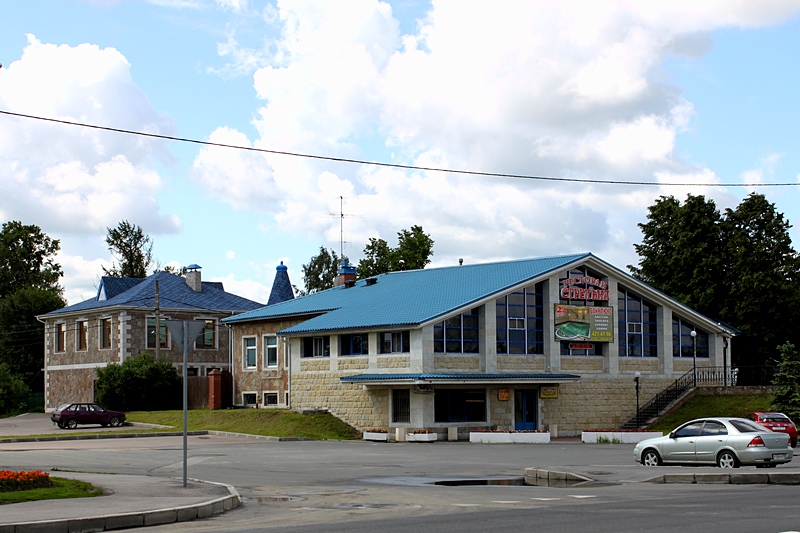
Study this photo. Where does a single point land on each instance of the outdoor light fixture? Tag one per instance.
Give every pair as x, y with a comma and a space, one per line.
636, 377
694, 357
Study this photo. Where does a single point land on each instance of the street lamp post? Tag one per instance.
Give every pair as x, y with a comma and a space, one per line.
725, 360
694, 357
636, 377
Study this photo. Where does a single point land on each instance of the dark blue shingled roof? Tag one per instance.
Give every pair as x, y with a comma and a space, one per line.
174, 293
281, 287
111, 286
406, 298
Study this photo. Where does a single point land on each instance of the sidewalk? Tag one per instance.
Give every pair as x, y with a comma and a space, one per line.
130, 501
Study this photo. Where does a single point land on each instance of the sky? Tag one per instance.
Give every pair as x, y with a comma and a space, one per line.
682, 96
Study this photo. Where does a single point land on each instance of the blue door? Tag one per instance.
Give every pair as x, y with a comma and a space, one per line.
524, 409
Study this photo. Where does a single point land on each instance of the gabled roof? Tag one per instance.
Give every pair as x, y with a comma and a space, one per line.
407, 298
173, 291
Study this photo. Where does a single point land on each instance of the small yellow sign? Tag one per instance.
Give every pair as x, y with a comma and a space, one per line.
503, 394
550, 392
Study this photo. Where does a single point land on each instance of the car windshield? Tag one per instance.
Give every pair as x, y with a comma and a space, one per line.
747, 426
774, 418
63, 406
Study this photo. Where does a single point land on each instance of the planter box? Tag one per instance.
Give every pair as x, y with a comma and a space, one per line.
509, 438
623, 437
421, 437
376, 436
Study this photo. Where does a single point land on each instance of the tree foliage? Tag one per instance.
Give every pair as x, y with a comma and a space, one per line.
13, 390
787, 382
739, 268
132, 249
414, 249
27, 259
320, 272
139, 384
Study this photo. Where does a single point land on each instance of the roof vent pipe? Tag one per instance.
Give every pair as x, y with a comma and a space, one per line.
460, 261
349, 283
371, 281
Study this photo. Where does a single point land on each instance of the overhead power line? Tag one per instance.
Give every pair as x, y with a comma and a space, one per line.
394, 165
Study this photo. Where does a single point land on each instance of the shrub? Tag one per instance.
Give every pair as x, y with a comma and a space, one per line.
139, 384
11, 481
13, 391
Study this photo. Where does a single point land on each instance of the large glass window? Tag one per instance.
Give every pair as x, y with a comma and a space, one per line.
355, 344
105, 333
395, 341
638, 335
151, 333
457, 334
316, 347
249, 351
208, 338
59, 337
82, 335
401, 406
520, 321
682, 345
271, 351
459, 405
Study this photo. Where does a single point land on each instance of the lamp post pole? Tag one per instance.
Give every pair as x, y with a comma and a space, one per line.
636, 377
694, 357
725, 360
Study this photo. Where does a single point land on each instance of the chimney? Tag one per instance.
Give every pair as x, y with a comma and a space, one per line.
193, 278
346, 273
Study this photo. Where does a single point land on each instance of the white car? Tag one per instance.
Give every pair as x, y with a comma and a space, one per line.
726, 442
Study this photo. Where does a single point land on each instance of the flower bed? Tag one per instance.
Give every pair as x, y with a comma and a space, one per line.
510, 437
376, 435
421, 435
593, 436
12, 481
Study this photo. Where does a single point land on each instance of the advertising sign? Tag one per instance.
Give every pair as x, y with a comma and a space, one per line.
548, 392
581, 323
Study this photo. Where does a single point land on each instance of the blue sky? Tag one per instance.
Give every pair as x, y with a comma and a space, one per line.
678, 92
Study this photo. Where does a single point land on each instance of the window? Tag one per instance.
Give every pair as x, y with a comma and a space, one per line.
270, 398
638, 335
81, 335
520, 321
316, 347
151, 333
105, 333
459, 405
249, 352
401, 406
271, 352
59, 337
395, 341
457, 334
356, 344
249, 398
682, 344
208, 338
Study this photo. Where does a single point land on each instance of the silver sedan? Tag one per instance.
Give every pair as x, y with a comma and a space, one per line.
726, 442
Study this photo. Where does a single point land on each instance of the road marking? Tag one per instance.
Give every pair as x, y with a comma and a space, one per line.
582, 496
545, 499
506, 501
466, 504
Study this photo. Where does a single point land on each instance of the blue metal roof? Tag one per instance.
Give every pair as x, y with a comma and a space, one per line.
421, 378
407, 298
174, 293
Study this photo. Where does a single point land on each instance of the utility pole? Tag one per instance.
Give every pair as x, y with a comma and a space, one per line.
158, 327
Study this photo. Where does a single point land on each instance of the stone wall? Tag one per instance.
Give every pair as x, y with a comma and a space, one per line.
74, 385
361, 408
520, 363
456, 362
394, 362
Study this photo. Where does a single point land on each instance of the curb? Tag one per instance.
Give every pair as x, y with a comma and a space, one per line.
136, 519
776, 478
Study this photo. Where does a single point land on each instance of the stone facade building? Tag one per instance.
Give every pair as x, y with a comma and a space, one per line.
120, 322
550, 343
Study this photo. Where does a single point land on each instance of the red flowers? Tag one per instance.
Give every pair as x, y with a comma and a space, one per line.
35, 479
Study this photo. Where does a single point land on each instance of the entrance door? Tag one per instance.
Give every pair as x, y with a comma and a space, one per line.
524, 409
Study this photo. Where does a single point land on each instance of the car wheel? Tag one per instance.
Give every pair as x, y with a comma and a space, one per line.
651, 458
727, 459
72, 423
114, 421
794, 442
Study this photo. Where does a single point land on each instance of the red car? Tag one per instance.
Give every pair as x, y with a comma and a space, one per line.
778, 422
69, 415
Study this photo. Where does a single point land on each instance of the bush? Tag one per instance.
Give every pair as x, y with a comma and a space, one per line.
139, 384
13, 391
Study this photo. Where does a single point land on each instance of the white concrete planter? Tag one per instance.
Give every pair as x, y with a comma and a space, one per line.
623, 437
494, 437
421, 437
376, 436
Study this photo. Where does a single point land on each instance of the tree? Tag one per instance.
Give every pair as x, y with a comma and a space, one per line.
132, 248
787, 382
27, 259
139, 384
320, 272
413, 252
13, 391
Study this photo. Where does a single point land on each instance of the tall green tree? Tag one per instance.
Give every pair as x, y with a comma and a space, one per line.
132, 249
787, 382
414, 249
320, 272
27, 259
13, 390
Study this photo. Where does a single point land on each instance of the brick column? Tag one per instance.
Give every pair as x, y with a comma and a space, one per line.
215, 390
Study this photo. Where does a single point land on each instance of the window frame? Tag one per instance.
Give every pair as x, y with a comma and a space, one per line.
246, 349
214, 331
348, 343
451, 399
267, 347
105, 339
445, 342
637, 323
60, 339
150, 333
270, 394
82, 335
253, 394
399, 341
401, 406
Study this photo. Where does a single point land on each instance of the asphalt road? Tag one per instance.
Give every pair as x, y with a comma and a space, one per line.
359, 486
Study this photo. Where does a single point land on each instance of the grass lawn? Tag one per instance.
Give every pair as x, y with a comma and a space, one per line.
64, 488
722, 405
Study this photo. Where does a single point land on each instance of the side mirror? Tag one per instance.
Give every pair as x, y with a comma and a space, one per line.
671, 434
